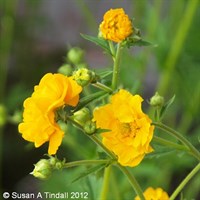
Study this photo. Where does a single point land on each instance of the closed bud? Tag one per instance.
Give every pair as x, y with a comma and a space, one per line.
82, 116
75, 55
157, 100
65, 69
42, 170
90, 127
83, 76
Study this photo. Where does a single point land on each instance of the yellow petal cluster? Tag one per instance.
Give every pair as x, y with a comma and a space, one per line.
154, 194
116, 25
39, 125
130, 129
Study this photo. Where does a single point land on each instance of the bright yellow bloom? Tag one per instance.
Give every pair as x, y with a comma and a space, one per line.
154, 194
116, 25
130, 129
39, 125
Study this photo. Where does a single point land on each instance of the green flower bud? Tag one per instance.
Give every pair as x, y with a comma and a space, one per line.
75, 55
83, 76
16, 117
82, 116
157, 100
43, 169
3, 115
90, 127
65, 69
56, 163
59, 165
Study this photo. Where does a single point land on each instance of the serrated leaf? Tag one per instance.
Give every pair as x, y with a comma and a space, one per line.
166, 106
88, 99
98, 41
89, 171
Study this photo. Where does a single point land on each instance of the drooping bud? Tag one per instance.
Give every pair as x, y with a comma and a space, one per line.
82, 116
157, 100
84, 76
43, 169
90, 127
75, 55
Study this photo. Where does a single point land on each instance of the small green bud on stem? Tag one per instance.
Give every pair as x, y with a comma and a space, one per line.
157, 100
90, 127
83, 76
75, 55
66, 69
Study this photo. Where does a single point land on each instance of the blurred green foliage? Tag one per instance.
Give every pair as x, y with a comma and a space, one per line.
23, 63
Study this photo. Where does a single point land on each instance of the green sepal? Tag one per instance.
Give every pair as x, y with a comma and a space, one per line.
88, 99
89, 171
98, 41
135, 41
98, 131
166, 106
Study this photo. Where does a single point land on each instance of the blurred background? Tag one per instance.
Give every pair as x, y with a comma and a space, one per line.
35, 38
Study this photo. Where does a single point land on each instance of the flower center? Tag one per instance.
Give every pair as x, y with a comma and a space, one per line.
129, 129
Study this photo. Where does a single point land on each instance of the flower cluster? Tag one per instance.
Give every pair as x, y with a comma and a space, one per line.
116, 25
154, 194
130, 129
39, 123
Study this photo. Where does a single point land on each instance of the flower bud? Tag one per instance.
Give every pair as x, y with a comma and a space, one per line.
82, 116
75, 55
3, 115
90, 127
66, 70
16, 117
56, 163
83, 76
157, 100
42, 170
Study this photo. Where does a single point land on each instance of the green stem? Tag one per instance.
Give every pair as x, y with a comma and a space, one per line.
176, 134
133, 181
103, 87
104, 191
96, 140
169, 143
85, 162
184, 182
112, 48
116, 67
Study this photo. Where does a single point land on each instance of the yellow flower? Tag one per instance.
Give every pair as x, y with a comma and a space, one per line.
130, 129
116, 25
39, 125
154, 194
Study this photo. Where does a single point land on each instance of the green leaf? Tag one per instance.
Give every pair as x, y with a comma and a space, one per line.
135, 41
88, 99
166, 106
104, 74
89, 171
159, 152
98, 41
